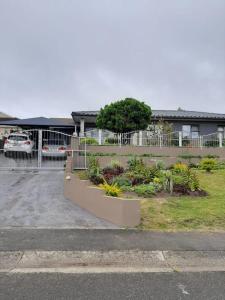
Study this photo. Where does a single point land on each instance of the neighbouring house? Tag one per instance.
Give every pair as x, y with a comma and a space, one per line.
64, 125
191, 123
6, 129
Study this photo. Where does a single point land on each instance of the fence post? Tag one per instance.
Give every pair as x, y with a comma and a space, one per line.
39, 147
120, 140
220, 140
180, 138
99, 136
160, 141
140, 138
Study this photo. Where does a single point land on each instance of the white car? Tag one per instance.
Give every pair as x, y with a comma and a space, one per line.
18, 142
54, 148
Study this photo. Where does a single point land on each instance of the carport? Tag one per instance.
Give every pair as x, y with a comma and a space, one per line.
65, 125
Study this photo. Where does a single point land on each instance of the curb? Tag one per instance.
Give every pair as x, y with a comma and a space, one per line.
133, 261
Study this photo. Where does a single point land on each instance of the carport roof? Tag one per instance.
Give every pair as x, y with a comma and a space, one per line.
41, 121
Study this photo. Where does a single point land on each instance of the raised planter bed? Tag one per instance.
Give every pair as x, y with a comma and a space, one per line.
119, 211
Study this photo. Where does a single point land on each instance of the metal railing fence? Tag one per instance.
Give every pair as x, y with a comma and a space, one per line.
150, 139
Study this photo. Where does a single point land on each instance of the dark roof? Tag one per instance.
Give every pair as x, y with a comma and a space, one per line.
173, 114
41, 121
85, 113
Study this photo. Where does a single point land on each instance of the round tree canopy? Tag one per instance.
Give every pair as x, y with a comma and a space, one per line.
124, 116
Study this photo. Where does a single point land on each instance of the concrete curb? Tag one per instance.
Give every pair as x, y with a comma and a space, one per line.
111, 261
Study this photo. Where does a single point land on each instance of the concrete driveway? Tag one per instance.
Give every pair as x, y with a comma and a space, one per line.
29, 198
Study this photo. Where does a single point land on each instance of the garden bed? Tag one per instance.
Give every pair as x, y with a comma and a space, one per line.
126, 187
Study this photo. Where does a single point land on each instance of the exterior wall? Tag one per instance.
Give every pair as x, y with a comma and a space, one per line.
204, 127
164, 151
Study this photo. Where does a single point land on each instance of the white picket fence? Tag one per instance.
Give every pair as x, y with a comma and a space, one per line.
149, 138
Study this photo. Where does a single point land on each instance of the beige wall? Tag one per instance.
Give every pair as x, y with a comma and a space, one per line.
122, 212
169, 151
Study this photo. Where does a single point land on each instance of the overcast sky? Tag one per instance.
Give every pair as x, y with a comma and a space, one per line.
59, 56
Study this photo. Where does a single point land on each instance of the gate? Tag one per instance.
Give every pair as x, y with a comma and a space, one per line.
41, 149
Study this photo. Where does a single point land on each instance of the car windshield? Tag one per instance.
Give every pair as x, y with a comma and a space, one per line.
55, 142
18, 138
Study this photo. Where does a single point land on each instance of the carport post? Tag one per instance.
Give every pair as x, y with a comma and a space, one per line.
39, 147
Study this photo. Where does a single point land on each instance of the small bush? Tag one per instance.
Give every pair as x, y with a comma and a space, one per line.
160, 165
88, 141
135, 164
121, 181
93, 163
111, 190
185, 182
111, 141
208, 164
211, 144
145, 190
94, 171
119, 169
110, 172
96, 179
180, 167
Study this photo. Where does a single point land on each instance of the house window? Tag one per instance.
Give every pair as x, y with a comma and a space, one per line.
190, 131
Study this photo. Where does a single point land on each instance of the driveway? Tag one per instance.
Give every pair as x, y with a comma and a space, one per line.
29, 198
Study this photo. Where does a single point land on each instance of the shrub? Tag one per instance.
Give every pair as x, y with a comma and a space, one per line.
145, 190
211, 144
119, 169
111, 190
110, 172
121, 181
135, 178
94, 171
180, 167
208, 164
111, 141
96, 179
88, 141
160, 165
167, 178
93, 163
135, 163
185, 182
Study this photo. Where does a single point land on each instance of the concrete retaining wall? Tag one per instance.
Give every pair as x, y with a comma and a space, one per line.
122, 212
164, 151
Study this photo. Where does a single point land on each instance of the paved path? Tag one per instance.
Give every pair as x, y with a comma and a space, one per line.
36, 199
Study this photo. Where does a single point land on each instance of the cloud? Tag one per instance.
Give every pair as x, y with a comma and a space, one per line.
60, 56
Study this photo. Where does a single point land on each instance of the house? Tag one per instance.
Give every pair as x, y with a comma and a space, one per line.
65, 125
191, 123
6, 129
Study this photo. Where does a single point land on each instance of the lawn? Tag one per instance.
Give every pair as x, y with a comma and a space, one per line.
188, 213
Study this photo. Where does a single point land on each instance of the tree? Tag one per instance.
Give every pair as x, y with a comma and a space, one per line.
124, 116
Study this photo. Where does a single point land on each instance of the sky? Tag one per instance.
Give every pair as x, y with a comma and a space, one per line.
59, 56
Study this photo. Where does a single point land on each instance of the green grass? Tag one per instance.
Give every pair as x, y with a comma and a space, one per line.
189, 213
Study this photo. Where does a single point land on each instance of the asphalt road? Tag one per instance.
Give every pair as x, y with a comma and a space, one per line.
165, 286
35, 199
